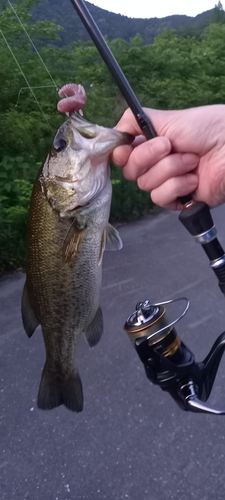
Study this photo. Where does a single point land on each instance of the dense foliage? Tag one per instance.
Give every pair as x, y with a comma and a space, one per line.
176, 71
115, 25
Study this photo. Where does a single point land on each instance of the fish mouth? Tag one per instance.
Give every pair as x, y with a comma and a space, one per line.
76, 121
92, 136
110, 136
86, 129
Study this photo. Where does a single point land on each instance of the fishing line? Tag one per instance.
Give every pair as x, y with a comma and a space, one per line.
21, 70
24, 76
28, 88
33, 45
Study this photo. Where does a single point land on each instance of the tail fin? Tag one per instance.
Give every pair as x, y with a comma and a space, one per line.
56, 390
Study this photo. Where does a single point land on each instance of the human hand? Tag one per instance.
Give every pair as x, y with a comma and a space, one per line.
188, 156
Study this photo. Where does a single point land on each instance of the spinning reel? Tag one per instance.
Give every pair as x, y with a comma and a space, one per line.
168, 362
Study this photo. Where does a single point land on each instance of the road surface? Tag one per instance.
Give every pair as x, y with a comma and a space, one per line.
131, 441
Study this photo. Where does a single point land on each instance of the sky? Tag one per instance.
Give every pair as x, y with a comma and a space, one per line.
155, 8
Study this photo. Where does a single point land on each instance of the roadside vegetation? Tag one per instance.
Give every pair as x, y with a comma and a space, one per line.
176, 71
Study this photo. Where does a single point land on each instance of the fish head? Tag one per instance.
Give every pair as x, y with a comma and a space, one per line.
77, 168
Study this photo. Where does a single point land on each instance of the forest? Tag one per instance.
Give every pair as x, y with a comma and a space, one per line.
177, 70
113, 25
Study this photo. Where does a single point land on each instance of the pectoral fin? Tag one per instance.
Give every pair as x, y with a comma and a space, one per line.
102, 248
113, 240
110, 241
95, 329
30, 322
72, 242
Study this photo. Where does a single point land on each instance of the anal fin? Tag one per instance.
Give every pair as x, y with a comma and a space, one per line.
30, 322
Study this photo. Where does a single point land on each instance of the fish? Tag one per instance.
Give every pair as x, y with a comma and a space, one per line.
68, 232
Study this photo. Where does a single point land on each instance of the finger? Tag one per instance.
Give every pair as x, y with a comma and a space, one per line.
128, 123
139, 139
175, 205
188, 130
75, 98
166, 195
144, 156
159, 118
121, 154
171, 166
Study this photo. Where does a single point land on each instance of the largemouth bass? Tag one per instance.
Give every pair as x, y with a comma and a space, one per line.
67, 235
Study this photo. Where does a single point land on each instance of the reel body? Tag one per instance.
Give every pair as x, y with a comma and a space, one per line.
168, 362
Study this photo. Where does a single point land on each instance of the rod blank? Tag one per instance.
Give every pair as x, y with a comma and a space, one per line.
114, 68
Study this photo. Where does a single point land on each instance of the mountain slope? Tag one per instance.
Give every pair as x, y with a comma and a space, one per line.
113, 25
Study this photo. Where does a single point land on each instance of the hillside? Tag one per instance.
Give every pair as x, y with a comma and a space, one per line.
114, 25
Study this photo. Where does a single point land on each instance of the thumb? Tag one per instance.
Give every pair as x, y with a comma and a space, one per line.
188, 130
159, 119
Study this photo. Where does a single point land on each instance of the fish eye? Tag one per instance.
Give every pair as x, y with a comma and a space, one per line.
59, 145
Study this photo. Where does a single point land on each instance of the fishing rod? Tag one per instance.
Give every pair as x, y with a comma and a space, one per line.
168, 362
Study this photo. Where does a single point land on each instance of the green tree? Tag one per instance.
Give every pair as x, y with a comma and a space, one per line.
22, 118
175, 71
218, 14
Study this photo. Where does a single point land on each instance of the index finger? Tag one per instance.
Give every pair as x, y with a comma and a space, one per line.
127, 123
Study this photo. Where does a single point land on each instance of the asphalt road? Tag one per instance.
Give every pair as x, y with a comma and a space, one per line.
131, 441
